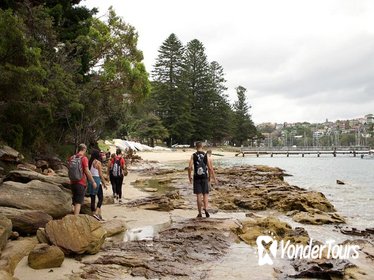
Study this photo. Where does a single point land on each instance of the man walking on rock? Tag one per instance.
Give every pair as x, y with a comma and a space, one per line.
201, 167
78, 170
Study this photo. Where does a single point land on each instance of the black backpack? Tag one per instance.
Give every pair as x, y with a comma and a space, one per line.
116, 169
200, 167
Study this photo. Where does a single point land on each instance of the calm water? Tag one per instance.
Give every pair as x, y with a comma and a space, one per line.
355, 199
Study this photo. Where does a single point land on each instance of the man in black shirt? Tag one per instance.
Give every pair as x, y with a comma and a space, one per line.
202, 173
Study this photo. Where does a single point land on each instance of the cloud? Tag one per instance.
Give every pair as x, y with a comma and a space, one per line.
299, 60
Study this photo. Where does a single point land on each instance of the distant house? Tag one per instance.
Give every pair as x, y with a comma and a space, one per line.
318, 133
369, 118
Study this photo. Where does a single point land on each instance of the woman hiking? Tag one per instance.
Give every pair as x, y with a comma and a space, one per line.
95, 167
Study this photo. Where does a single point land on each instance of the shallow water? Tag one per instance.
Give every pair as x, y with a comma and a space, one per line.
355, 199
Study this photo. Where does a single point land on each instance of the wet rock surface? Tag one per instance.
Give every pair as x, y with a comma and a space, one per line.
174, 253
162, 202
262, 188
253, 227
320, 268
317, 217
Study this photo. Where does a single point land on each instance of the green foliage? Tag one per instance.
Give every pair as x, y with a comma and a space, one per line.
24, 112
67, 77
190, 95
244, 127
151, 128
173, 104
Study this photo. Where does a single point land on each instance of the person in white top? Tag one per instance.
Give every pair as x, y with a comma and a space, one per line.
95, 167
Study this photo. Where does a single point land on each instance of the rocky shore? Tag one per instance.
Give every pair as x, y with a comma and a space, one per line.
155, 235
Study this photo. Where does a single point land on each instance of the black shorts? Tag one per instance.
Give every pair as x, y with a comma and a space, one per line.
200, 185
78, 192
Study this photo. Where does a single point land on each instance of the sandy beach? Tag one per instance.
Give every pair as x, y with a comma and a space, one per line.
179, 155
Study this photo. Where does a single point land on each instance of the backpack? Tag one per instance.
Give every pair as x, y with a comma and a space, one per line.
116, 169
75, 168
200, 165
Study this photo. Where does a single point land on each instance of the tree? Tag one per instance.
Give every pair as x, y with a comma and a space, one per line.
198, 86
173, 105
23, 112
150, 128
61, 71
244, 127
222, 117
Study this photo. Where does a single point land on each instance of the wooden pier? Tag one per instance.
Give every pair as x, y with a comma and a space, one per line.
334, 151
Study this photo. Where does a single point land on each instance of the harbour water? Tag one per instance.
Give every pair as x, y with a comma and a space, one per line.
355, 199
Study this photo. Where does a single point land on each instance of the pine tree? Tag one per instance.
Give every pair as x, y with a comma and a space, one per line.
221, 119
173, 103
198, 85
244, 127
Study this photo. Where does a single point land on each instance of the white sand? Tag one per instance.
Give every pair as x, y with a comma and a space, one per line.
178, 155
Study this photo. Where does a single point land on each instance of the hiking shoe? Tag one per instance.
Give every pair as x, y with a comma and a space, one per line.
198, 216
120, 201
101, 218
206, 213
96, 217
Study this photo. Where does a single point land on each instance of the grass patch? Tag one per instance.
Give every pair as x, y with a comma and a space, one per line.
102, 146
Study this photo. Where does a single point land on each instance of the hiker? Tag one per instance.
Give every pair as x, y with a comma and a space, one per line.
95, 167
117, 167
107, 155
78, 171
200, 165
110, 176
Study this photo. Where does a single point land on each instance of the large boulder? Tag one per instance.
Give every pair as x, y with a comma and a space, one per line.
36, 195
45, 256
76, 234
9, 154
5, 230
25, 176
14, 252
26, 221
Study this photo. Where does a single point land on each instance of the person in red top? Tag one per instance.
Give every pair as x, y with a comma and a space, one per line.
78, 188
117, 168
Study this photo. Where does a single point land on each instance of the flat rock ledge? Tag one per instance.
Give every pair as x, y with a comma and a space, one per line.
263, 188
174, 253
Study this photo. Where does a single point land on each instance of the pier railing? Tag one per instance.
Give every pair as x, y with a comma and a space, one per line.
309, 150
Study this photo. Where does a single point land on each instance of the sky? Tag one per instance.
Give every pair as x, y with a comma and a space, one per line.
299, 60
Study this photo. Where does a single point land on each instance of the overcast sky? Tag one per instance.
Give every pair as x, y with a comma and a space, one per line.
299, 60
